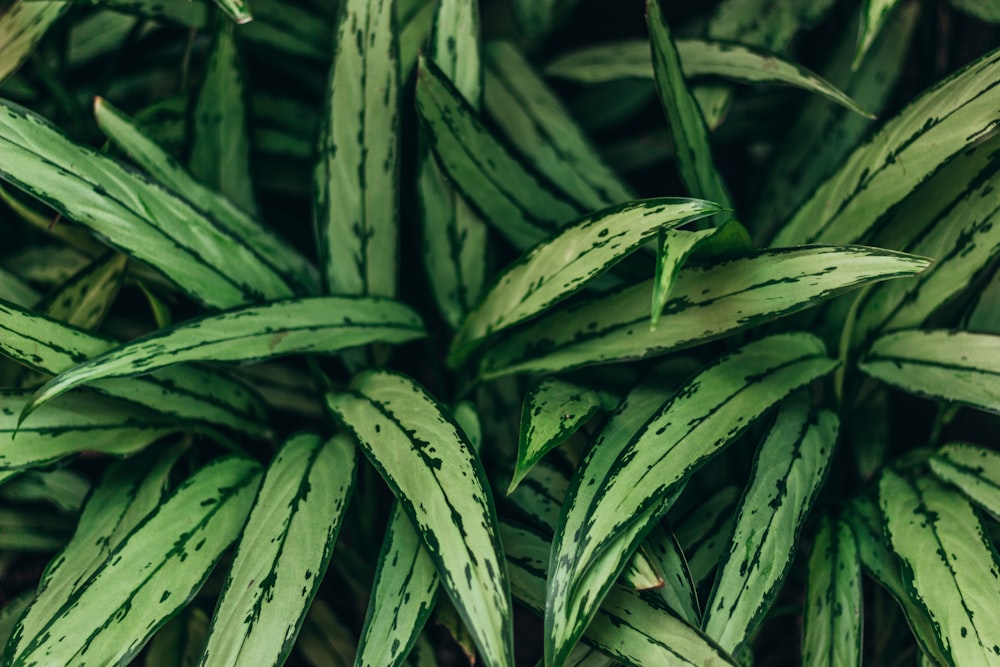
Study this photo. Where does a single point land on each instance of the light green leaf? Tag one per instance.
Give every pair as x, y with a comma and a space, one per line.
180, 642
134, 215
952, 116
323, 640
705, 303
568, 261
356, 176
692, 426
703, 534
789, 468
61, 487
11, 612
282, 557
553, 410
948, 563
402, 597
236, 9
543, 131
883, 565
416, 23
974, 470
633, 629
85, 298
454, 235
279, 253
220, 150
80, 422
519, 204
952, 366
188, 393
440, 482
687, 127
874, 14
585, 656
316, 325
22, 26
984, 313
833, 606
678, 591
631, 59
17, 291
149, 576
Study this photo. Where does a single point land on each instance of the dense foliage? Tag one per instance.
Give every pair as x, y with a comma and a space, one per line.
435, 331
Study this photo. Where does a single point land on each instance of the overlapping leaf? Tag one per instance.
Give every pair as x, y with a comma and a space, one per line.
22, 26
974, 470
442, 487
318, 324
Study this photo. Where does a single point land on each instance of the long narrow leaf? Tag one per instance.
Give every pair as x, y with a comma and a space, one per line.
150, 575
974, 470
617, 490
319, 324
947, 365
873, 16
283, 554
442, 487
85, 299
356, 176
22, 26
705, 303
788, 471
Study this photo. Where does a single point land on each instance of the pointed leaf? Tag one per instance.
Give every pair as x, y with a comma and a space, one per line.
318, 324
788, 470
705, 303
633, 629
356, 176
544, 132
236, 9
678, 591
566, 262
150, 575
283, 554
439, 481
279, 253
833, 606
416, 23
703, 534
949, 564
521, 205
553, 410
402, 598
134, 215
22, 26
696, 423
952, 116
974, 470
951, 366
873, 16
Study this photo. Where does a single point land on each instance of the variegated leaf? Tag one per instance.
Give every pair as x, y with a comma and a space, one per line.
974, 470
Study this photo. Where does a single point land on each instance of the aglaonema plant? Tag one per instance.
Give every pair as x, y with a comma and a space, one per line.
350, 344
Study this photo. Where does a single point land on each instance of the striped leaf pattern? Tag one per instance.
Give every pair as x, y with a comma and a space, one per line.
85, 299
147, 578
974, 470
22, 26
948, 563
874, 14
137, 216
953, 366
568, 261
318, 324
356, 176
283, 554
788, 470
440, 482
711, 410
833, 608
704, 304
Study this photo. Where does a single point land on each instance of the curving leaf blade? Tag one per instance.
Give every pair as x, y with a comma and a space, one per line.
22, 26
974, 470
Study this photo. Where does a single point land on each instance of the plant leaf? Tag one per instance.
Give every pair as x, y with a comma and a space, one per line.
22, 26
984, 10
687, 127
544, 132
17, 291
323, 640
704, 533
283, 554
946, 365
536, 18
318, 324
946, 558
236, 9
705, 303
505, 191
150, 575
553, 410
874, 14
402, 597
356, 177
32, 530
710, 410
180, 642
633, 629
416, 23
952, 116
833, 606
439, 481
85, 299
788, 471
134, 215
568, 261
974, 470
278, 253
678, 591
220, 152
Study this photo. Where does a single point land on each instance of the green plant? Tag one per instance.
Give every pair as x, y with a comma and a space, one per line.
668, 426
